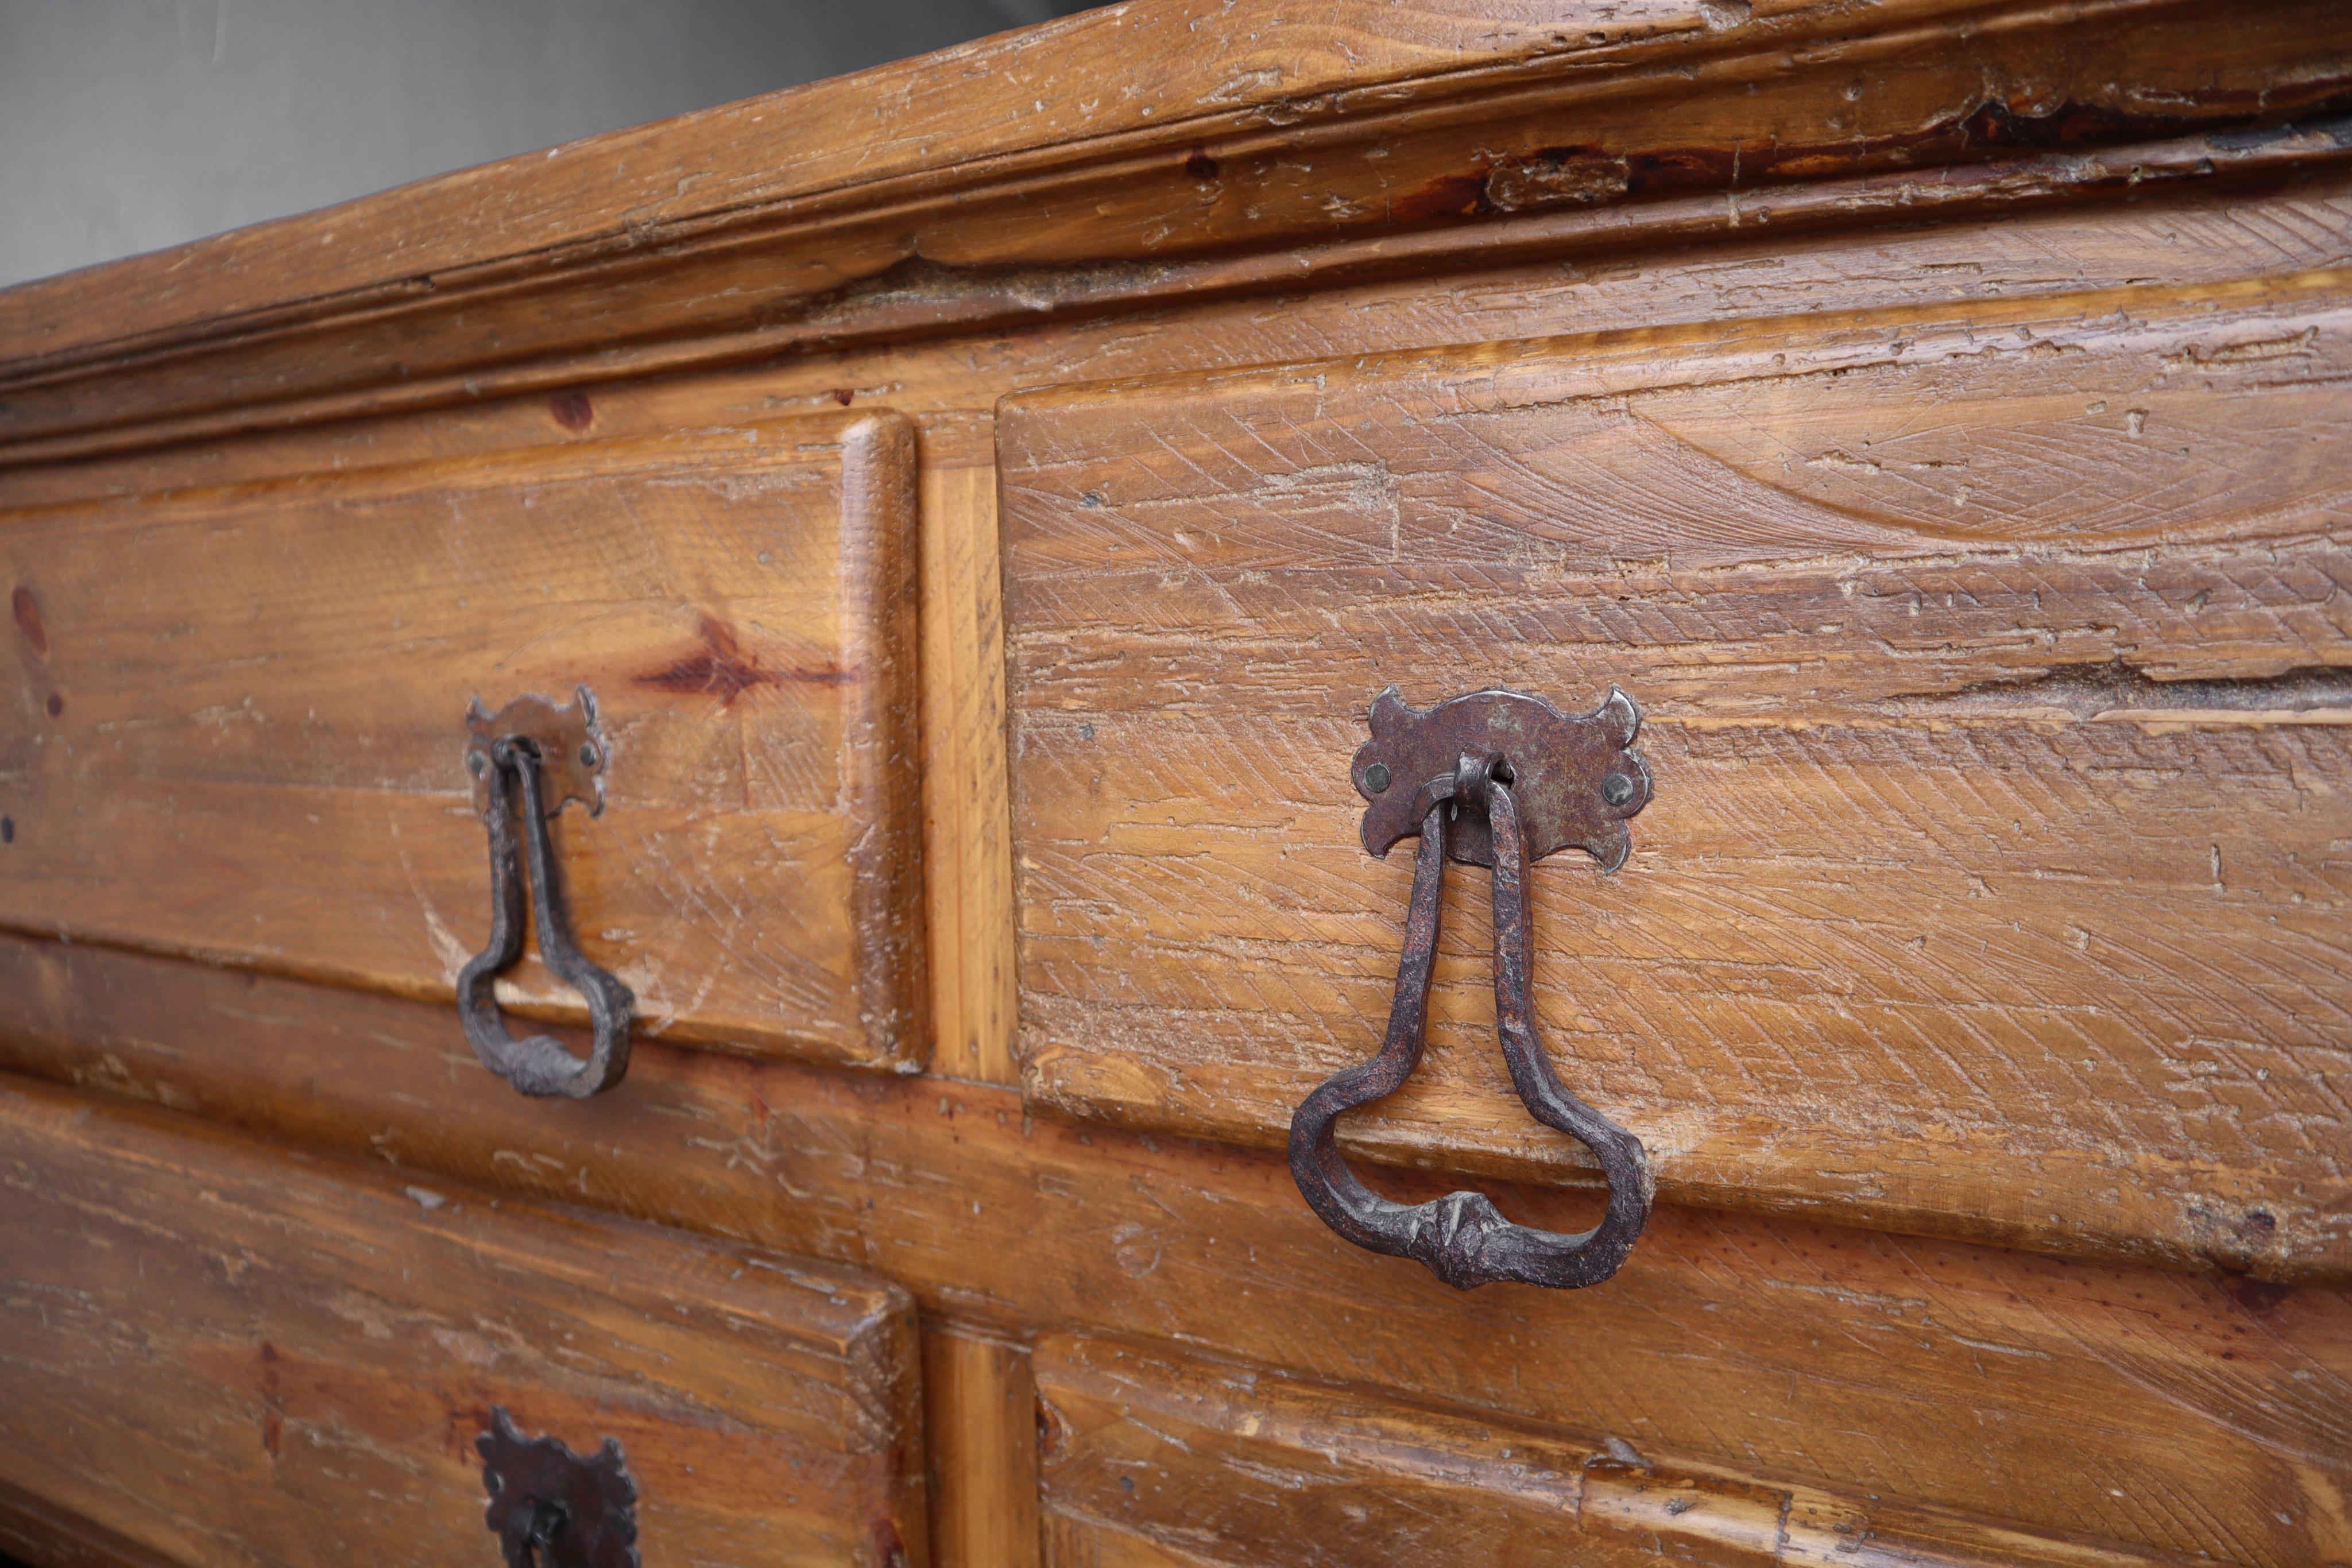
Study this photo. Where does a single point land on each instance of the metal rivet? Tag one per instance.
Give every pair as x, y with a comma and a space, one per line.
1616, 788
588, 756
474, 763
1376, 777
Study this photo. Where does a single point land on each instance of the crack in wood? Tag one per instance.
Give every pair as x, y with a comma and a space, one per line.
2117, 688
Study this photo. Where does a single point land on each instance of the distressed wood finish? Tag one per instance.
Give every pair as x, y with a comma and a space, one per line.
1151, 1457
1994, 670
238, 719
234, 1357
1444, 119
2197, 234
2196, 237
2164, 1411
1928, 408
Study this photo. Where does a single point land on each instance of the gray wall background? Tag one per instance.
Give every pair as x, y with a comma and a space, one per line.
128, 125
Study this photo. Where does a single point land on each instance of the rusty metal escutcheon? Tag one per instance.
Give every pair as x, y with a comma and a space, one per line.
548, 754
551, 1508
1496, 778
565, 738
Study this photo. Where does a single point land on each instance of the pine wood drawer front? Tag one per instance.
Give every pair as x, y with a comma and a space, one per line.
238, 724
231, 1356
1155, 1460
2187, 1412
1994, 661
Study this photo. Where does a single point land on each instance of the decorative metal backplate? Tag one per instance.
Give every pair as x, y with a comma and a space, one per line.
551, 1509
571, 746
1573, 777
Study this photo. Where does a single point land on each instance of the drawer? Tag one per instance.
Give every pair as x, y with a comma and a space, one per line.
1997, 693
226, 1355
239, 724
1151, 1459
2187, 1412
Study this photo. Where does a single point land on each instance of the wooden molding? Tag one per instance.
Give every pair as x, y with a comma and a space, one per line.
983, 192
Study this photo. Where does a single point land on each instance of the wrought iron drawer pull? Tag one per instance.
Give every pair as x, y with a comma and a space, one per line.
1497, 779
555, 754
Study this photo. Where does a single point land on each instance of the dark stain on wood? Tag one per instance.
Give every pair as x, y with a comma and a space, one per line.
572, 410
1448, 196
57, 705
1200, 165
27, 610
1585, 174
7, 830
721, 667
2260, 1297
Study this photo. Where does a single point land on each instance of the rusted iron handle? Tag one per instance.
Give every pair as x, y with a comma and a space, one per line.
530, 1529
537, 1064
1463, 1239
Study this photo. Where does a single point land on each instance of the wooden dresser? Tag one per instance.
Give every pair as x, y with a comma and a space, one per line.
705, 857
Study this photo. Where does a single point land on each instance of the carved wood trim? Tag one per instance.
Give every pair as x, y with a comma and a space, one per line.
919, 199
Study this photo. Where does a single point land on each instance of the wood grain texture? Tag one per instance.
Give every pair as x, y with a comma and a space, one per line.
2164, 1411
968, 835
239, 714
2233, 165
2187, 236
38, 1534
2193, 238
1722, 106
1927, 406
231, 1356
1995, 666
982, 1442
961, 106
1151, 1455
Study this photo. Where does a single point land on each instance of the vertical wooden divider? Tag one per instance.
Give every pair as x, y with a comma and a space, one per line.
967, 815
981, 1412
